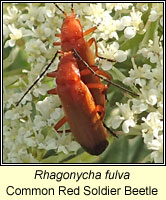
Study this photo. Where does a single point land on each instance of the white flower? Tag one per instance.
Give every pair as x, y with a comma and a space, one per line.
150, 96
95, 12
106, 65
120, 25
157, 146
24, 137
127, 118
136, 19
153, 16
118, 6
138, 75
126, 20
48, 144
10, 114
41, 90
107, 27
153, 124
126, 124
63, 149
73, 146
138, 106
112, 52
120, 56
12, 16
133, 24
156, 11
16, 34
161, 21
130, 32
144, 7
56, 114
154, 50
6, 31
39, 123
27, 110
157, 156
65, 145
153, 57
35, 47
116, 121
48, 105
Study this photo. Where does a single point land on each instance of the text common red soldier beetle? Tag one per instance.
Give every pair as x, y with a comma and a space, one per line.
84, 108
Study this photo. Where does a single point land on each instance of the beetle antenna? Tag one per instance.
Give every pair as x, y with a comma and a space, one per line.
60, 9
72, 9
110, 60
108, 129
38, 78
104, 79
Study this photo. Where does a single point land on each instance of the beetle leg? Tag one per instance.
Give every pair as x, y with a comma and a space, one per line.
57, 35
93, 40
91, 30
85, 72
52, 74
57, 43
60, 123
90, 42
97, 86
52, 91
103, 73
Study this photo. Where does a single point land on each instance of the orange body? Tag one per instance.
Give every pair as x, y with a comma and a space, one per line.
79, 107
72, 36
81, 92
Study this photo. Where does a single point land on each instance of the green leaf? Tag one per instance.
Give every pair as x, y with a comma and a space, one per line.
126, 150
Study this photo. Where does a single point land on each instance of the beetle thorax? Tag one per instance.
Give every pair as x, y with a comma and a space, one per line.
71, 29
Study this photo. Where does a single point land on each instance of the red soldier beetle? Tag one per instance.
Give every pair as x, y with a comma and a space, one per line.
79, 107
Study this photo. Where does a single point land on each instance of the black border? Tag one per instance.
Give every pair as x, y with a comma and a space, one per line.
78, 164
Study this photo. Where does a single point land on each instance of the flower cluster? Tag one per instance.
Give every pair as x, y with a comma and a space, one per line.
124, 33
